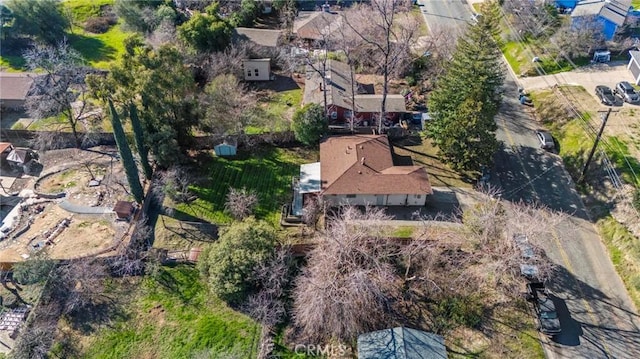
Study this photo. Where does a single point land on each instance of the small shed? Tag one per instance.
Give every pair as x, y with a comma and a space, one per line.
124, 210
401, 343
257, 69
634, 66
5, 150
18, 157
226, 149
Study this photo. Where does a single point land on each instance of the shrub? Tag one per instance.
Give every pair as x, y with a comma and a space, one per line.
98, 25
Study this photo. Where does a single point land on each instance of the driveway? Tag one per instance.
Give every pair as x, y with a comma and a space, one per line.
588, 77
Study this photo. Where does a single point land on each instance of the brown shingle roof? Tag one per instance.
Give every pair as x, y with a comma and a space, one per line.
14, 86
363, 164
318, 26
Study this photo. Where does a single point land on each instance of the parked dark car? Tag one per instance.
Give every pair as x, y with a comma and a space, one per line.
548, 322
605, 95
627, 92
545, 139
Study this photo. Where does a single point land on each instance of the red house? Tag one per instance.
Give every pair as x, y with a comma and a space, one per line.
346, 99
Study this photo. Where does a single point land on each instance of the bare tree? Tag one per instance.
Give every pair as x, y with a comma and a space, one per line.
79, 284
164, 33
61, 90
376, 24
578, 39
268, 305
349, 284
35, 342
313, 210
528, 18
175, 183
47, 140
229, 106
240, 203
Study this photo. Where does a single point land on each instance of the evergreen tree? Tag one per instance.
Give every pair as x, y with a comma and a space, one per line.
125, 154
467, 96
139, 136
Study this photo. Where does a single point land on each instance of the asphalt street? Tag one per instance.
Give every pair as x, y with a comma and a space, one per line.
596, 314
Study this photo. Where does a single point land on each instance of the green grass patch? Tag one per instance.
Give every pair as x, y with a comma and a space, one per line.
173, 315
81, 10
423, 153
514, 53
12, 63
267, 171
403, 232
99, 50
53, 123
619, 154
624, 250
278, 108
635, 4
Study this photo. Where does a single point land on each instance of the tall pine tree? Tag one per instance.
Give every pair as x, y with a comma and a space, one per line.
139, 137
467, 96
130, 168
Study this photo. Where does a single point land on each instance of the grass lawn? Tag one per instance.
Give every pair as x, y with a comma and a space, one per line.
624, 250
279, 108
267, 171
100, 50
84, 9
635, 4
11, 63
172, 315
422, 152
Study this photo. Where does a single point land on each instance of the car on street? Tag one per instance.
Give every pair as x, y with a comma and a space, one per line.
605, 95
626, 92
546, 315
545, 139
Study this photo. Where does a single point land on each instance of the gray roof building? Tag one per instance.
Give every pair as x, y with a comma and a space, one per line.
401, 343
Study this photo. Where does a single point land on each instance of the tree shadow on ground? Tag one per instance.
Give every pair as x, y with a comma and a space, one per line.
91, 48
91, 318
593, 319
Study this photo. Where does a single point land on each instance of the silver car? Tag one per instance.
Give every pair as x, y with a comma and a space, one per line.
627, 92
545, 139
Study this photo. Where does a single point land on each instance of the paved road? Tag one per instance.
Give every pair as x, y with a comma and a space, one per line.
596, 313
598, 318
445, 13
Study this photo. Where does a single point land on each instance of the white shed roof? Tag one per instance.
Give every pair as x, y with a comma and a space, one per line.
310, 180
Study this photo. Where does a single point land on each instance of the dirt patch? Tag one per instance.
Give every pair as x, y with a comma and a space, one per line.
64, 234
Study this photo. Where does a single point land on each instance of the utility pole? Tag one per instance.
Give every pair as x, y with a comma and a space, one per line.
605, 117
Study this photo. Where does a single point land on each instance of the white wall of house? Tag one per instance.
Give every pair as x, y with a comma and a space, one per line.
377, 200
257, 69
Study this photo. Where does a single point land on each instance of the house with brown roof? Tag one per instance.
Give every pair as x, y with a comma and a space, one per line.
14, 88
361, 170
346, 99
317, 26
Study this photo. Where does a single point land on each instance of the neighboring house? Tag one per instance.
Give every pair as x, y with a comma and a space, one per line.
401, 343
256, 69
315, 27
5, 149
340, 100
634, 66
612, 14
263, 37
360, 170
14, 88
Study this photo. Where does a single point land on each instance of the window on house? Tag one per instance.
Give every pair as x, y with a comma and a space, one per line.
256, 72
418, 196
248, 73
348, 113
351, 196
334, 115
